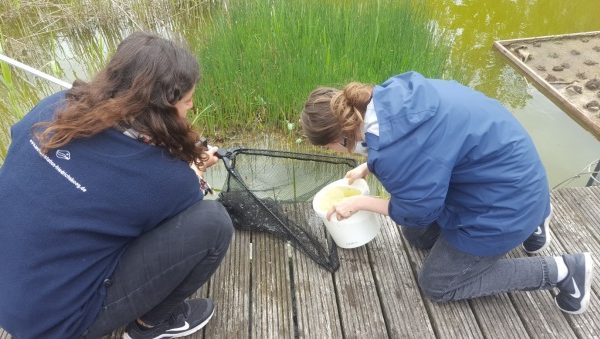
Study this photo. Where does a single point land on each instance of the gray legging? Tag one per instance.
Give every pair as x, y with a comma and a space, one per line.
164, 266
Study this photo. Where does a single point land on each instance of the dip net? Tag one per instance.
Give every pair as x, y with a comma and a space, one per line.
271, 191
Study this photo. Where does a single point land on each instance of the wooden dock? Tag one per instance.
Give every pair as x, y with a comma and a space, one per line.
266, 289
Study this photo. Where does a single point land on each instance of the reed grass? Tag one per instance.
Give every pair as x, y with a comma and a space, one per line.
261, 58
19, 95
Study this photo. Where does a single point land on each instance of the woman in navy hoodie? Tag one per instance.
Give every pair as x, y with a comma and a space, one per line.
464, 180
103, 220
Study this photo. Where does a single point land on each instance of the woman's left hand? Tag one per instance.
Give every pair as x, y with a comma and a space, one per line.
212, 158
210, 161
345, 208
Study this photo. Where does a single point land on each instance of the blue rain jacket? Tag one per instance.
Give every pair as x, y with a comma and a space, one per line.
449, 154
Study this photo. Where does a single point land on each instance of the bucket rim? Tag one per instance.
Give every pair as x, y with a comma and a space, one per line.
360, 184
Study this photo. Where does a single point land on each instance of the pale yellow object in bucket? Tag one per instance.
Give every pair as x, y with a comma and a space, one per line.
351, 232
335, 195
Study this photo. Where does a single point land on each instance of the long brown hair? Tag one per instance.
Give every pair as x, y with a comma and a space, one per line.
138, 89
331, 114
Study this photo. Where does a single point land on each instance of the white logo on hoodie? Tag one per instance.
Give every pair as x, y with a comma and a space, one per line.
63, 154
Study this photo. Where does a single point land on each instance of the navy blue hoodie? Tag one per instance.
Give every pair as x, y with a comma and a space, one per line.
67, 217
449, 154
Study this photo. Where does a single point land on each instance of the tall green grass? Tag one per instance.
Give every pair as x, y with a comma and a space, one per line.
19, 95
261, 58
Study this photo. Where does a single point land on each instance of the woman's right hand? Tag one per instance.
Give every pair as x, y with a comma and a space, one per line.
361, 171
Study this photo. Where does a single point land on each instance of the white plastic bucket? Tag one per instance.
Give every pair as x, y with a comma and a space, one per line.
354, 231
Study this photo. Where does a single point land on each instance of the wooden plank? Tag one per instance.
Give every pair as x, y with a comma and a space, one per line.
450, 320
497, 317
229, 288
573, 237
551, 37
587, 201
358, 300
403, 309
540, 316
271, 305
382, 300
202, 292
594, 191
314, 290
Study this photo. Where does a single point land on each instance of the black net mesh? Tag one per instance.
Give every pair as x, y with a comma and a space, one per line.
271, 191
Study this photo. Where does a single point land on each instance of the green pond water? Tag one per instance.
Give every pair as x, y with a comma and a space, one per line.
72, 41
564, 146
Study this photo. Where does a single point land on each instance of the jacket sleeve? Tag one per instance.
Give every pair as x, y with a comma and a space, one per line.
417, 187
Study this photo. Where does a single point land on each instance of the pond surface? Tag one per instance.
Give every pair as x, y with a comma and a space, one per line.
564, 146
63, 47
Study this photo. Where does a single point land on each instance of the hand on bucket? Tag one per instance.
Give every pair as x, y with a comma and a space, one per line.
361, 171
345, 209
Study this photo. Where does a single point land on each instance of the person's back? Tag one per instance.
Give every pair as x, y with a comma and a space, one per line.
68, 215
103, 221
490, 186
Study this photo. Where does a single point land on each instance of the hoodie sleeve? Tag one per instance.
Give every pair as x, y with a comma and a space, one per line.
418, 189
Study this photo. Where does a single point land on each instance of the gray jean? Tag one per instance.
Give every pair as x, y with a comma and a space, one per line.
165, 266
449, 274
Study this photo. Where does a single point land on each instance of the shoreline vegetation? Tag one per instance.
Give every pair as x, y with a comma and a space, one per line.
259, 59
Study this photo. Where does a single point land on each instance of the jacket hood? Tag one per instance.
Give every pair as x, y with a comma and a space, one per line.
407, 100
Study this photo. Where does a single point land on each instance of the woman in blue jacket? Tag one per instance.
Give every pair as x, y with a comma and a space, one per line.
464, 179
103, 219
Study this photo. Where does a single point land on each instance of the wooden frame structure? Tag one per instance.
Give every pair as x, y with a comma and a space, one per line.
583, 118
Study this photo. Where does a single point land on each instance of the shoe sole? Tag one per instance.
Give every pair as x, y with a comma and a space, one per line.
589, 265
181, 334
547, 232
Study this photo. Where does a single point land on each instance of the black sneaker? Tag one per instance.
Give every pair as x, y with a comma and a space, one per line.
574, 290
193, 317
540, 239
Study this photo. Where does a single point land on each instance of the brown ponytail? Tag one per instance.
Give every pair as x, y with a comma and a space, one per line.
330, 114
